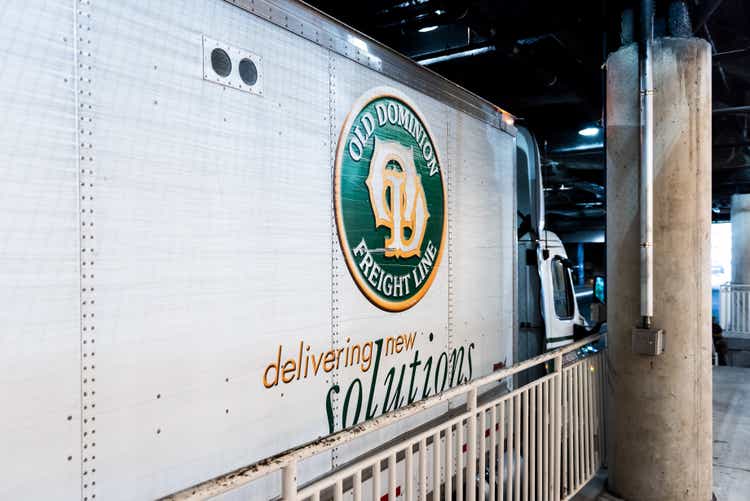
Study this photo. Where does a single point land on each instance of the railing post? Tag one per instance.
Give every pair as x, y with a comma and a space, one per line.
557, 419
289, 481
408, 474
357, 486
565, 450
422, 470
471, 441
376, 480
392, 476
448, 463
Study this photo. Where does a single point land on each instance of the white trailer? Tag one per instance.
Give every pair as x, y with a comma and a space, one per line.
228, 228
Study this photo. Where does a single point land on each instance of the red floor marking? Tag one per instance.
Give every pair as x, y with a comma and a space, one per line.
384, 497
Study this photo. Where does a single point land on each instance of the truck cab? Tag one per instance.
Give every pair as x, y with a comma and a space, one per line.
548, 312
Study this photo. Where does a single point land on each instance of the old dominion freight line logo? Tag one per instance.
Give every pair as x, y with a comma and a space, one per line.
390, 199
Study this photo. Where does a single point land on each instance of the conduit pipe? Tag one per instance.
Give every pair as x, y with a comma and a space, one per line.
647, 163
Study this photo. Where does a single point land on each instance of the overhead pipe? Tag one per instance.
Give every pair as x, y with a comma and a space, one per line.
733, 52
647, 163
468, 51
733, 109
706, 15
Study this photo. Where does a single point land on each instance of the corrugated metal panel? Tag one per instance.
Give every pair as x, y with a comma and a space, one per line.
165, 235
483, 242
39, 254
213, 244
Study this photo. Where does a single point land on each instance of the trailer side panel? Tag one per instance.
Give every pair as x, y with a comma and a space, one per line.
40, 276
213, 317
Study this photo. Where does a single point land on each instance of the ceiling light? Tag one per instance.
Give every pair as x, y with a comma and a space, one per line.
427, 29
589, 131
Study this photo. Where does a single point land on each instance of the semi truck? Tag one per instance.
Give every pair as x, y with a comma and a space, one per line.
231, 227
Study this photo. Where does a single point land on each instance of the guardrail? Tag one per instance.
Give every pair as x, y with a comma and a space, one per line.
543, 440
734, 310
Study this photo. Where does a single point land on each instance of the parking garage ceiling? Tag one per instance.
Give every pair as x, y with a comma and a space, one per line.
543, 60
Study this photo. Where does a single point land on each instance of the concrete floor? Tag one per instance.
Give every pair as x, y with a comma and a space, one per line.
731, 458
731, 433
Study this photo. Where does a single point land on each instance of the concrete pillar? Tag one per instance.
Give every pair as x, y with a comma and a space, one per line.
660, 434
740, 217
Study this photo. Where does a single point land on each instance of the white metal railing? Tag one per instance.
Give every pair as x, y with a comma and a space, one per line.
734, 309
542, 441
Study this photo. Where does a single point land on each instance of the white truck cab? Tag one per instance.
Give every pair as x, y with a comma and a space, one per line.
548, 310
559, 305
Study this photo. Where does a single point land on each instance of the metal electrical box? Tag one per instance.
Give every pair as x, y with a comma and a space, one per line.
648, 341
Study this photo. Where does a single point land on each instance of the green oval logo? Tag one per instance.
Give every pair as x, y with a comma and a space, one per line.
390, 200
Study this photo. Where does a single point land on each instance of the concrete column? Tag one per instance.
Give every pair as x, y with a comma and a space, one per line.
740, 218
660, 434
